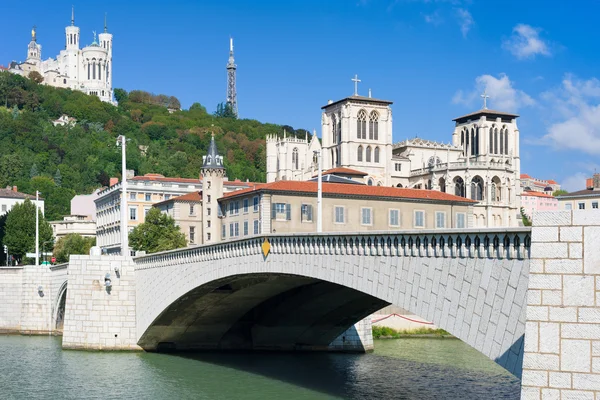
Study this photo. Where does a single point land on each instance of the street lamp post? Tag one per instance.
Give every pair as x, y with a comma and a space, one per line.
44, 250
121, 140
37, 229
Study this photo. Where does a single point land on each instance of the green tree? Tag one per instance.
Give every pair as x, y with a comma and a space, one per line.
19, 233
73, 243
120, 95
157, 233
33, 172
224, 110
525, 218
559, 192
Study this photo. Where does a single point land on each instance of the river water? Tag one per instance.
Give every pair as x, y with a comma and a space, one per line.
37, 368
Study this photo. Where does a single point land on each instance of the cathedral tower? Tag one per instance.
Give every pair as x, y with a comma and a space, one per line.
34, 50
105, 41
213, 174
72, 34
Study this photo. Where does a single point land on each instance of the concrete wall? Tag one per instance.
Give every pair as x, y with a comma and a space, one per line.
97, 318
11, 285
562, 341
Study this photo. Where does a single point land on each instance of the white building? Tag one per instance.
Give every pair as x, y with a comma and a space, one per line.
481, 162
87, 69
11, 196
142, 193
79, 224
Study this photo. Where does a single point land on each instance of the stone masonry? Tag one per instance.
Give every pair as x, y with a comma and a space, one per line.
97, 317
562, 340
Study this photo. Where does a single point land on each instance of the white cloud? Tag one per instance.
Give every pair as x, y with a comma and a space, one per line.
434, 18
465, 20
503, 95
576, 105
526, 42
574, 182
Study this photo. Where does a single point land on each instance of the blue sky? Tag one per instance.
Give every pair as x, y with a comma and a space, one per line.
432, 58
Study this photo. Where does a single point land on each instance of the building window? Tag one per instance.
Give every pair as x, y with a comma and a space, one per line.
131, 196
306, 213
582, 206
394, 218
146, 210
192, 234
256, 227
223, 231
359, 154
3, 207
368, 154
376, 154
568, 206
419, 219
133, 214
339, 215
440, 219
167, 196
208, 223
231, 230
148, 197
361, 125
398, 167
245, 228
374, 125
208, 237
191, 209
594, 204
282, 212
208, 198
255, 203
295, 158
246, 206
237, 229
208, 211
237, 208
231, 205
366, 216
208, 184
460, 220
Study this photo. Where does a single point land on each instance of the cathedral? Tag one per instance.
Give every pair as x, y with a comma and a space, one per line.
481, 162
86, 69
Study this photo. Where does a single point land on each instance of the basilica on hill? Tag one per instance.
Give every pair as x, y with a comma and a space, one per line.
481, 162
86, 69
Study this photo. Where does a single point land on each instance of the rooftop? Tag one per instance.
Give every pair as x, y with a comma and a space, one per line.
344, 171
581, 193
161, 178
195, 197
12, 193
537, 194
484, 112
343, 189
358, 98
424, 143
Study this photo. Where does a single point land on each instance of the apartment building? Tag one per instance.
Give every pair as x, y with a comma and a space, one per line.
585, 199
186, 210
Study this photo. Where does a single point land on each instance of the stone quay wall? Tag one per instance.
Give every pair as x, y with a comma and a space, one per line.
97, 317
562, 339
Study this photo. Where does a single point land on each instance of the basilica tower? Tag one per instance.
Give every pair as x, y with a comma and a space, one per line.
213, 174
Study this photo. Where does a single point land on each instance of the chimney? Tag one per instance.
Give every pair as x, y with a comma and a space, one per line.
113, 181
589, 183
14, 189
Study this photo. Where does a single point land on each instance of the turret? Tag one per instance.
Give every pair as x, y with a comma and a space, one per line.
271, 158
213, 174
105, 42
72, 34
34, 50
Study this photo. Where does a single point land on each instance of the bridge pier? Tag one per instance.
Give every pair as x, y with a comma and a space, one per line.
100, 317
562, 334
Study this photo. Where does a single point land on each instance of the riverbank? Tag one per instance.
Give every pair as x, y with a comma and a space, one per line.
384, 332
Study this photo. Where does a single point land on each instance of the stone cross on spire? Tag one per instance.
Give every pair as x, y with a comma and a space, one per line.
485, 97
355, 80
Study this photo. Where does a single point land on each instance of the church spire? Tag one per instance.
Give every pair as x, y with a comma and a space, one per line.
212, 160
105, 27
72, 15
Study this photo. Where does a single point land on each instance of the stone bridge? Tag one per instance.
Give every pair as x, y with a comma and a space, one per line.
527, 299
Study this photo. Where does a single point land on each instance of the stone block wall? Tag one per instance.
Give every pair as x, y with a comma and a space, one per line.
97, 318
562, 336
357, 338
36, 306
11, 279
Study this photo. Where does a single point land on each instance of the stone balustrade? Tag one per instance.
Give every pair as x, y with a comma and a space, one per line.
505, 243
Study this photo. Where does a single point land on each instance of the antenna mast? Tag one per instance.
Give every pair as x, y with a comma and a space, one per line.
231, 90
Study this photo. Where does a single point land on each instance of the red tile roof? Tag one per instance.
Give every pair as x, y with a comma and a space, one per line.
352, 190
192, 197
525, 176
344, 171
552, 182
537, 194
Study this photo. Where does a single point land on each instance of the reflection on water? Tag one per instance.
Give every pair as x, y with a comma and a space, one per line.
36, 368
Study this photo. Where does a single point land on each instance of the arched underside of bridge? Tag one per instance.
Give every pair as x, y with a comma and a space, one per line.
259, 312
59, 308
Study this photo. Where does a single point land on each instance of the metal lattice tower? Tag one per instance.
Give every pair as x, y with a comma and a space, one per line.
231, 90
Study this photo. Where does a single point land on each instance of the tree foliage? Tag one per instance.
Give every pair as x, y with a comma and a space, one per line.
559, 192
157, 233
73, 243
224, 110
19, 232
86, 155
36, 77
526, 220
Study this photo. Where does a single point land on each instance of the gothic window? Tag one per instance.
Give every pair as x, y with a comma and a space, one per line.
477, 141
337, 157
462, 141
376, 155
495, 140
89, 66
433, 161
368, 155
374, 125
361, 125
459, 186
99, 69
295, 158
333, 128
339, 130
496, 190
442, 184
370, 182
501, 141
492, 140
94, 68
473, 152
477, 188
505, 141
359, 153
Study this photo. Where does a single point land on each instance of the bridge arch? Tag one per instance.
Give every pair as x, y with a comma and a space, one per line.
309, 289
58, 310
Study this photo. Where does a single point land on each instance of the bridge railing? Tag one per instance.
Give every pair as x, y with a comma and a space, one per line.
506, 243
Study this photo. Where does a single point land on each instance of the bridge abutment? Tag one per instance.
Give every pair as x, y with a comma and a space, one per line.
562, 336
97, 316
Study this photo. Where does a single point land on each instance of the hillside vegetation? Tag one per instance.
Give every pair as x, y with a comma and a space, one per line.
63, 161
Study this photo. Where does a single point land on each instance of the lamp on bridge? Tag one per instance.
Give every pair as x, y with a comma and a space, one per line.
107, 281
40, 290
